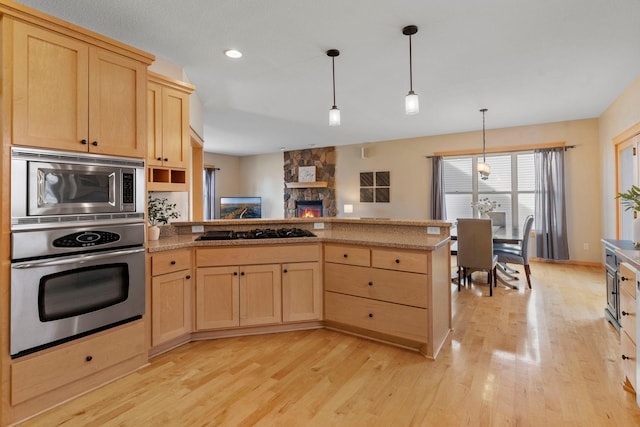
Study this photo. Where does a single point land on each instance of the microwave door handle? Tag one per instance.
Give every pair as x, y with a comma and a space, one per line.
78, 259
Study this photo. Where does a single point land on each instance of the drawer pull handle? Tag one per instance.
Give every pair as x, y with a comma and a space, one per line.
345, 255
370, 314
623, 278
370, 283
397, 261
188, 276
88, 358
173, 262
625, 357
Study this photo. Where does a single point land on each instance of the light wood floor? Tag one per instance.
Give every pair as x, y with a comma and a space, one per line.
545, 357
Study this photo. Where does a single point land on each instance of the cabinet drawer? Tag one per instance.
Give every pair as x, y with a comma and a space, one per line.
40, 374
401, 260
628, 313
345, 254
627, 281
387, 318
385, 285
168, 262
262, 254
628, 365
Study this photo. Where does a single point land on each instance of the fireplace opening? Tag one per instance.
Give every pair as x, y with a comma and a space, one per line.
308, 208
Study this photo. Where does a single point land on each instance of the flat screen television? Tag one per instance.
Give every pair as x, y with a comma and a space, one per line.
240, 207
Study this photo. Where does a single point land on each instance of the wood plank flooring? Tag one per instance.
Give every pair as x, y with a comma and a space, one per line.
541, 357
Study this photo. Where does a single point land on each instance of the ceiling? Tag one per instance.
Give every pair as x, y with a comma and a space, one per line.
528, 62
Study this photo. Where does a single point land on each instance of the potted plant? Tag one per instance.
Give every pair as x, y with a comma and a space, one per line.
160, 211
630, 199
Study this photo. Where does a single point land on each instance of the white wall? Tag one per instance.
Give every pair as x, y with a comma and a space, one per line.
411, 175
228, 178
622, 114
264, 176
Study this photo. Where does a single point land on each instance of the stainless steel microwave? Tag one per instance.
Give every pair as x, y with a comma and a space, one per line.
52, 186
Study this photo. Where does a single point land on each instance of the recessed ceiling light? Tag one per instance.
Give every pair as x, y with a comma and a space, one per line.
232, 53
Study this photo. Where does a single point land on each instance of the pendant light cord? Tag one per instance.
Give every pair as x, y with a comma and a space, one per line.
333, 69
484, 157
410, 67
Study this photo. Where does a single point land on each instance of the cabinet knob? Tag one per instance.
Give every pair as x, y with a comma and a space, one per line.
345, 255
624, 313
188, 276
397, 261
625, 357
235, 273
613, 292
88, 358
159, 158
623, 278
94, 143
84, 142
370, 314
285, 270
173, 262
370, 283
166, 159
242, 273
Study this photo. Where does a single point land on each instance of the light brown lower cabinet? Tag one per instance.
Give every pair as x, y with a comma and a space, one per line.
171, 301
628, 343
235, 296
257, 285
301, 292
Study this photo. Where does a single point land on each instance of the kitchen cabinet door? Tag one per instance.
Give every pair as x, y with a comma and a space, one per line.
260, 295
50, 88
117, 104
217, 298
301, 292
170, 306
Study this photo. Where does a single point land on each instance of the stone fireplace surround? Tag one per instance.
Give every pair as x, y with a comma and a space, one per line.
324, 159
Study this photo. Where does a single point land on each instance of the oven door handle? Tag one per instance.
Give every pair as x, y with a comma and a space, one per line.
77, 259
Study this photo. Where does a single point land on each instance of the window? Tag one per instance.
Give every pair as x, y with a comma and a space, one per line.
511, 186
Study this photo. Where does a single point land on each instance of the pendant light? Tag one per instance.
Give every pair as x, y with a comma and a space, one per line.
334, 112
483, 168
411, 104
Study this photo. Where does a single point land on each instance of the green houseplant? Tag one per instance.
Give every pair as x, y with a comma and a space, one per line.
160, 211
630, 199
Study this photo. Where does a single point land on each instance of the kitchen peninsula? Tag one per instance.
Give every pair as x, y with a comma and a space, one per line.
385, 280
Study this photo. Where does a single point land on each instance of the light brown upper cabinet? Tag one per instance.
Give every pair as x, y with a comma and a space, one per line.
168, 130
69, 94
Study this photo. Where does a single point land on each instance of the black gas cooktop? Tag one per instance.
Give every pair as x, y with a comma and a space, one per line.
257, 233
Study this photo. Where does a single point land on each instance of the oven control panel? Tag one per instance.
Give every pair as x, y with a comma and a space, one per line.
86, 238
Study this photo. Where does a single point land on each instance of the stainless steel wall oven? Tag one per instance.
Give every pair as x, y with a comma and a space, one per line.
77, 246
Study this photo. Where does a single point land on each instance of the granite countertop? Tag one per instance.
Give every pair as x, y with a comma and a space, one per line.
416, 240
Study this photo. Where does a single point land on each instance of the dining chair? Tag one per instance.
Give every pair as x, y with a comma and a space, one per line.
475, 250
517, 254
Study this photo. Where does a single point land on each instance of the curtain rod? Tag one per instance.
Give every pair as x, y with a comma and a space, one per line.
469, 153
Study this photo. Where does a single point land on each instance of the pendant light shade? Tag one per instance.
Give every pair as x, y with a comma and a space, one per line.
483, 168
411, 103
334, 112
